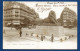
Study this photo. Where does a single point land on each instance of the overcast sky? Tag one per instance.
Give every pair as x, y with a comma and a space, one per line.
43, 8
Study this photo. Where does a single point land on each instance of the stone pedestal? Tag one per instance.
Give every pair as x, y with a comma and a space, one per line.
49, 30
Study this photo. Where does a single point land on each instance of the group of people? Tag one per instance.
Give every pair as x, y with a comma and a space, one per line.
42, 36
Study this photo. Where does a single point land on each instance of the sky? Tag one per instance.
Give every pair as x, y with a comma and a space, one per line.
43, 8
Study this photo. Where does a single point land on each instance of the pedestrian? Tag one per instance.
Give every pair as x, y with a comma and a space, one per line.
37, 35
31, 34
65, 38
61, 40
20, 33
41, 37
44, 37
52, 38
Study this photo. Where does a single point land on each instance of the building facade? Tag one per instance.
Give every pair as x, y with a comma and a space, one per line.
15, 13
68, 16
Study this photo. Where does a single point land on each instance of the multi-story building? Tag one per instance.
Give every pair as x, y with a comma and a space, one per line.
15, 13
67, 17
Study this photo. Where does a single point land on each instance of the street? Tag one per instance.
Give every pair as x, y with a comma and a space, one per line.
12, 40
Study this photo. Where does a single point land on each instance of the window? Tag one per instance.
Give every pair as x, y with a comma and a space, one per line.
16, 15
16, 12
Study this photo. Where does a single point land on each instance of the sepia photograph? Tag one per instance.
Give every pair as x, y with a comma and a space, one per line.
39, 25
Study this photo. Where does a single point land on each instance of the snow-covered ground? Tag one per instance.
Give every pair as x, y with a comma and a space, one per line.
12, 40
